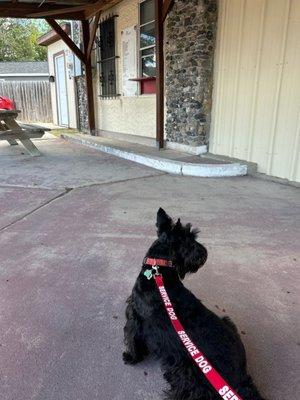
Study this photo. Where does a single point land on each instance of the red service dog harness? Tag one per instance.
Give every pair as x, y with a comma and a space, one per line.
214, 378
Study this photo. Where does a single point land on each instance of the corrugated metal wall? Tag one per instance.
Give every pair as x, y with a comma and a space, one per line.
256, 106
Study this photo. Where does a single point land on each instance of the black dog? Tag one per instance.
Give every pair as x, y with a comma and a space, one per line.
148, 329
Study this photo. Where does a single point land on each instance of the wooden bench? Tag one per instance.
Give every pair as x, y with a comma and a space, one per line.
11, 131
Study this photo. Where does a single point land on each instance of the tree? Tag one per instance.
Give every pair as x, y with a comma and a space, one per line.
18, 40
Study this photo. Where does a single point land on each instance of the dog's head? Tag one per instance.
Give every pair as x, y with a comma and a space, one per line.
186, 253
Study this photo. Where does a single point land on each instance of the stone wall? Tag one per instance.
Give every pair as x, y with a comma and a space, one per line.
190, 43
82, 104
80, 83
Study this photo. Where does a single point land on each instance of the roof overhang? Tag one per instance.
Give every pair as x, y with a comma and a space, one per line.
52, 37
66, 9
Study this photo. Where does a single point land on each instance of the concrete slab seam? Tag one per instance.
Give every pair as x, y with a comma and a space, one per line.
35, 209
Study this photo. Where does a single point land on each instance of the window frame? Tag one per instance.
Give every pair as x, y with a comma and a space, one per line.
147, 84
114, 58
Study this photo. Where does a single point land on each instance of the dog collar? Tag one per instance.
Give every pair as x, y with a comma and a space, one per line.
155, 263
158, 262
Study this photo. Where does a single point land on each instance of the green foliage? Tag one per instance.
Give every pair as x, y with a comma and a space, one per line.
18, 40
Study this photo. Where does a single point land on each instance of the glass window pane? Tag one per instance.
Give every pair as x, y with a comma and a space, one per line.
107, 38
148, 66
108, 77
147, 35
147, 11
147, 52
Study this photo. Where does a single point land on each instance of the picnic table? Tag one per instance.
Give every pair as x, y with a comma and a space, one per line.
11, 131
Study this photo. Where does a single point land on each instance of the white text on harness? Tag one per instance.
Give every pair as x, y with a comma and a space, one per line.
192, 349
216, 380
227, 394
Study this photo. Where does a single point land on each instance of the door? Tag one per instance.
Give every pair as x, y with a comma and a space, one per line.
61, 90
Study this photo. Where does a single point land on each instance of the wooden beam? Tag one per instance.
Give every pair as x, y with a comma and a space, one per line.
100, 5
92, 9
69, 42
93, 34
29, 10
53, 11
89, 76
167, 5
82, 11
159, 32
51, 36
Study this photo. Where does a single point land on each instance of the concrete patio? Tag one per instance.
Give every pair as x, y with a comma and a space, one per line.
74, 227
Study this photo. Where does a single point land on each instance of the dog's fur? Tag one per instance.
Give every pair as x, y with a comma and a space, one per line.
148, 329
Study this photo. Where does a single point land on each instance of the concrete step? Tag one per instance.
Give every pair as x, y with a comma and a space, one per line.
170, 161
148, 141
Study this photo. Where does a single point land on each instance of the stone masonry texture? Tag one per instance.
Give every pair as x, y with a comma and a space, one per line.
189, 48
82, 104
80, 84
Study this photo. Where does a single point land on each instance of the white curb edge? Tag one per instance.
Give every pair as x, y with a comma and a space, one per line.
164, 164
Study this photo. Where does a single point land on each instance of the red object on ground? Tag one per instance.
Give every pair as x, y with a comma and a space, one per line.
7, 104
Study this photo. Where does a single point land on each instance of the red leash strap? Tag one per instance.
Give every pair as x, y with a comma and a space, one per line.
215, 379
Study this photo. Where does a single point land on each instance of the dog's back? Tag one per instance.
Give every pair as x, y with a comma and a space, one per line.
149, 331
217, 338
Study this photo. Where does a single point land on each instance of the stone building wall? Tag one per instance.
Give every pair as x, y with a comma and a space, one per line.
189, 48
82, 104
80, 83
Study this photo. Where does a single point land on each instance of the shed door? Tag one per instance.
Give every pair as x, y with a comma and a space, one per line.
61, 90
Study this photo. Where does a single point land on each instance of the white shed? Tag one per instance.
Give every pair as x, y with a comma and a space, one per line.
62, 85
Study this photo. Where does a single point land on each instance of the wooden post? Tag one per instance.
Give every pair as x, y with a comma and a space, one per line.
159, 32
88, 76
93, 32
167, 6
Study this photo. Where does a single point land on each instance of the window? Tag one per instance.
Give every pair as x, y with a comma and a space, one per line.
107, 58
147, 39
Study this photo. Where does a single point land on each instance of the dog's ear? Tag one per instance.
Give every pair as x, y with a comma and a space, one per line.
163, 222
177, 226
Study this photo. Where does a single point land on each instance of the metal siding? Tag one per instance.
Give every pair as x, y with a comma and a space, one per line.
256, 107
